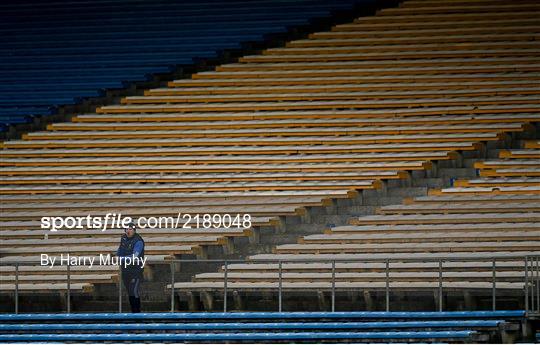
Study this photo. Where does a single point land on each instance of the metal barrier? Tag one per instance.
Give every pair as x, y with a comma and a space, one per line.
531, 279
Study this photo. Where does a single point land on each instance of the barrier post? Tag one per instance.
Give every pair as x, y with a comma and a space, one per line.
526, 283
494, 286
537, 285
225, 282
172, 286
280, 286
440, 286
387, 292
333, 285
16, 288
119, 289
68, 302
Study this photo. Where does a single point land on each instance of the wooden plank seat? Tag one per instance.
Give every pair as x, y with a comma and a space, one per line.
102, 203
28, 269
457, 207
344, 87
451, 17
420, 237
299, 167
34, 261
529, 154
403, 229
433, 38
487, 190
90, 249
488, 198
336, 72
153, 99
400, 48
37, 233
459, 3
262, 141
506, 164
459, 256
192, 151
26, 224
52, 278
466, 218
282, 132
499, 182
306, 285
469, 9
359, 56
249, 106
517, 172
532, 144
435, 25
233, 277
449, 266
510, 27
195, 198
47, 287
173, 187
420, 247
376, 114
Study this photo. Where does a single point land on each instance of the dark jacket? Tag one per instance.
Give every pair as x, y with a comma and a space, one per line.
129, 247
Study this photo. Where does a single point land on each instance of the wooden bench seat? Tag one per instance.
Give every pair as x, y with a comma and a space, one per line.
480, 77
429, 9
403, 229
532, 144
37, 233
34, 261
52, 278
433, 257
194, 198
152, 99
90, 249
528, 154
171, 187
332, 72
400, 48
488, 198
262, 141
457, 207
183, 178
233, 277
404, 247
174, 237
451, 17
47, 287
26, 224
500, 22
433, 38
306, 285
448, 266
499, 182
343, 87
499, 189
506, 164
338, 32
517, 172
43, 271
282, 132
249, 106
419, 237
467, 218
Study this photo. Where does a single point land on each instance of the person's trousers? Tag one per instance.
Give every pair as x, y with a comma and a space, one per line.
132, 282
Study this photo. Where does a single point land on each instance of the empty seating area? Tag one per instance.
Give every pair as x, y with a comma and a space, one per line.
360, 327
61, 53
344, 112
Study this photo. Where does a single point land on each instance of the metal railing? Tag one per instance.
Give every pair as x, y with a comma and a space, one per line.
531, 278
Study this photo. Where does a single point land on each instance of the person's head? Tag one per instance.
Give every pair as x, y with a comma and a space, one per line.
130, 230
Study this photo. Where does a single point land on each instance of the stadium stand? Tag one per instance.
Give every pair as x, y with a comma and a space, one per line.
66, 53
334, 139
459, 327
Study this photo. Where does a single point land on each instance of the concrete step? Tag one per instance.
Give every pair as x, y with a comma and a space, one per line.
457, 173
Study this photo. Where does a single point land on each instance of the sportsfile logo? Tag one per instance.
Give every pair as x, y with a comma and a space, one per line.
117, 221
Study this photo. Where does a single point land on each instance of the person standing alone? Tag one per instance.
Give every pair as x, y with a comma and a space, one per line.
132, 246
